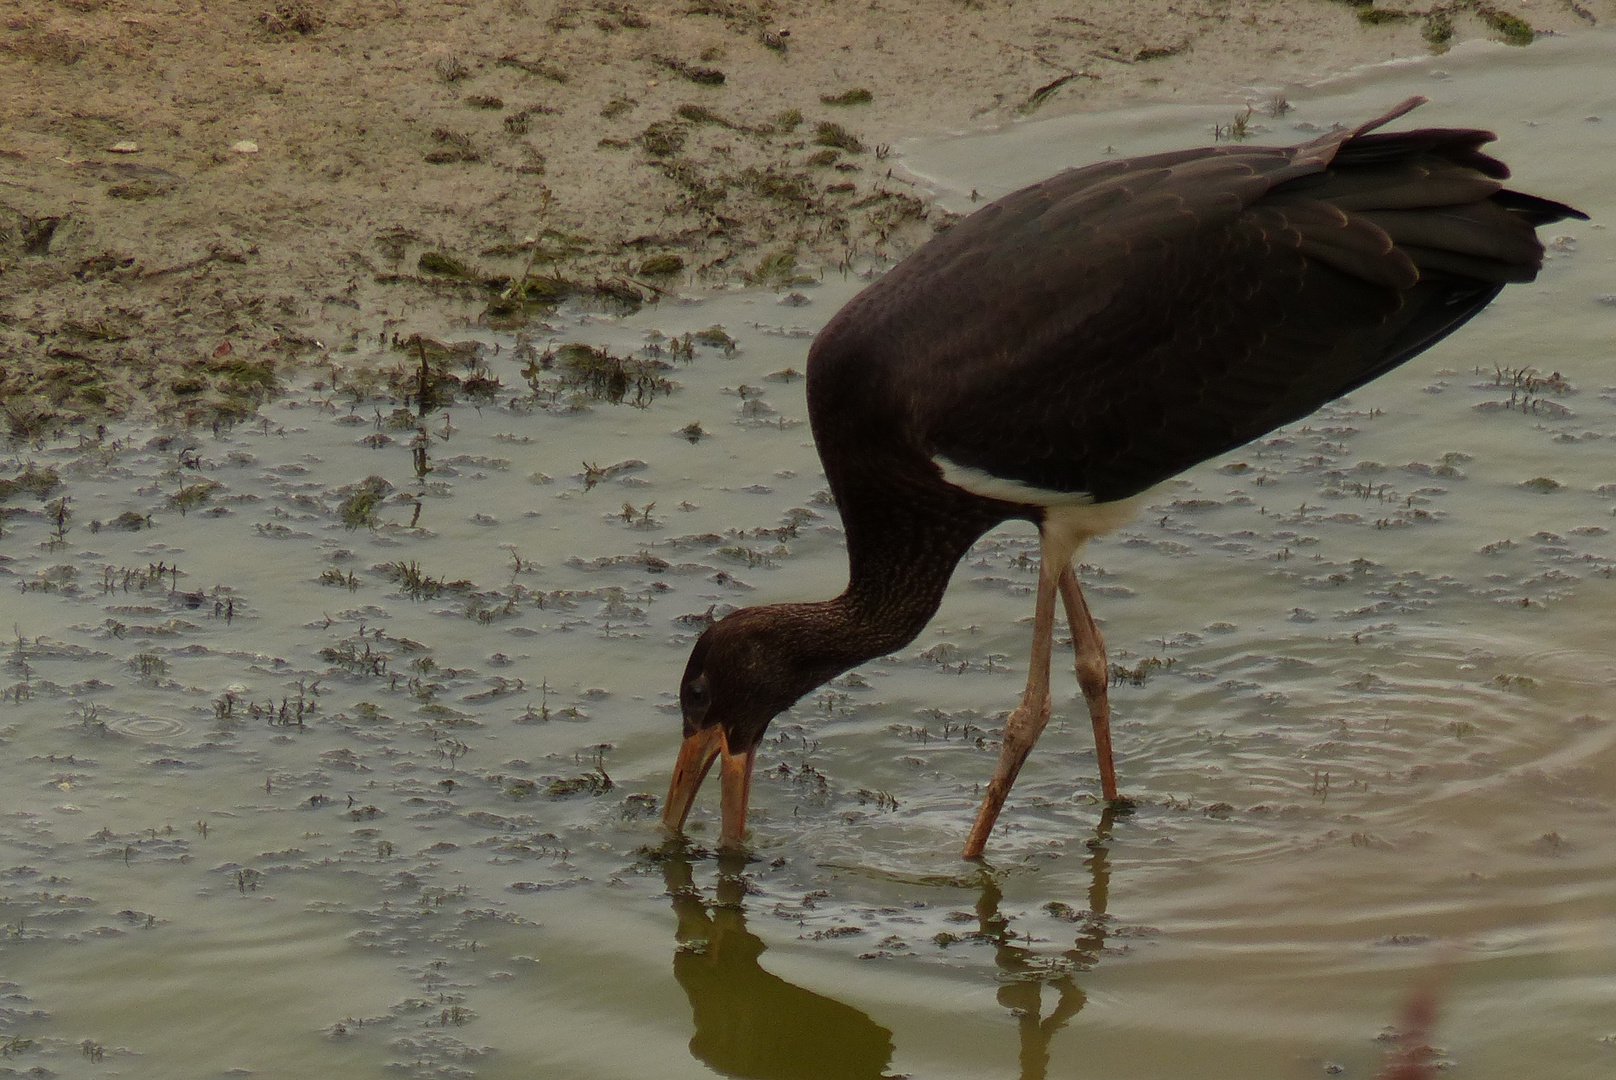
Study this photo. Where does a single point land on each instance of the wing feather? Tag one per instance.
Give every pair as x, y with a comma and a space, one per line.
1111, 326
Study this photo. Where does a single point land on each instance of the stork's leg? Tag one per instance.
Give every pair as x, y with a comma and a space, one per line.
1024, 726
1093, 675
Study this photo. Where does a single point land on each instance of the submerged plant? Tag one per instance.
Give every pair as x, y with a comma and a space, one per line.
829, 133
598, 375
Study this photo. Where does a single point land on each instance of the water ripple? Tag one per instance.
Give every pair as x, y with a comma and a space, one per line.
148, 727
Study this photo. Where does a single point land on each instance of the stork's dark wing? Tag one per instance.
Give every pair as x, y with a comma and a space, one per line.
1112, 326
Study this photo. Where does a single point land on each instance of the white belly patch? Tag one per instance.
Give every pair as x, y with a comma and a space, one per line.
1070, 512
983, 483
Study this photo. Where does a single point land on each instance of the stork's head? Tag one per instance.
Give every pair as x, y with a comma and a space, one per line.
743, 672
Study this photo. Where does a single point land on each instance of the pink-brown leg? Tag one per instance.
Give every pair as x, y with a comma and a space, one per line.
1024, 726
1093, 675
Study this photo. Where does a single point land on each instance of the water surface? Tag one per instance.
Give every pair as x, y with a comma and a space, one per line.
268, 803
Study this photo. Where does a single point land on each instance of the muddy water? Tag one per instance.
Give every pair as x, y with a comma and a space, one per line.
289, 798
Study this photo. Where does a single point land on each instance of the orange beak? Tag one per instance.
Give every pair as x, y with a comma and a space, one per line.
696, 756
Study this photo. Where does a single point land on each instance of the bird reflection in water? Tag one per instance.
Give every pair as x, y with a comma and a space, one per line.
752, 1023
749, 1021
1025, 972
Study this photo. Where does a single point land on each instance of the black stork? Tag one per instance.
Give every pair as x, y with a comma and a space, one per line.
1061, 351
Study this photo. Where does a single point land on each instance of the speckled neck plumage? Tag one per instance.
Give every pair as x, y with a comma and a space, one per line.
899, 568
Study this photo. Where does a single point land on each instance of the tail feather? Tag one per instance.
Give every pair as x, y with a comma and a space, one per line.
1434, 197
1476, 268
1403, 186
1461, 146
1537, 210
1483, 229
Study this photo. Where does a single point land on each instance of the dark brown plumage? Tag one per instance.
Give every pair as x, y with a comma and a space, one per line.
1073, 344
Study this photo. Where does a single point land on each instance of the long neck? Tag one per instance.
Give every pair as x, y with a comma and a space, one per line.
900, 562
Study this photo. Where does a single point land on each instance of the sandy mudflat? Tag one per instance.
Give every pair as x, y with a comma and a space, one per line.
193, 196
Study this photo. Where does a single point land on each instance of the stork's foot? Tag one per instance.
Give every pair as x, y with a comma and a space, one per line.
1021, 731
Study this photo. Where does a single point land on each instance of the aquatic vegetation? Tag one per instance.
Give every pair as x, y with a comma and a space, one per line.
358, 509
702, 76
593, 783
356, 659
1373, 16
858, 95
451, 69
777, 269
701, 114
715, 337
437, 262
662, 139
829, 133
418, 585
32, 480
1236, 130
191, 496
1141, 672
455, 147
1033, 102
1513, 29
1437, 30
662, 265
595, 374
148, 664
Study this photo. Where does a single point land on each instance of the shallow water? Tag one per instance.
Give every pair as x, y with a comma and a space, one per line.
250, 821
